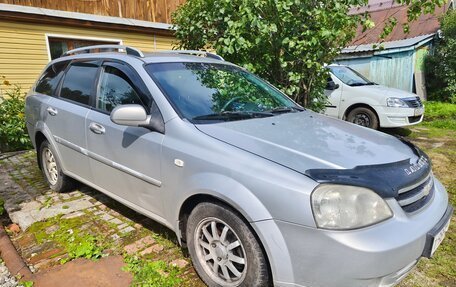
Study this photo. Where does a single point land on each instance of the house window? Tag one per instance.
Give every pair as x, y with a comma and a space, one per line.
58, 46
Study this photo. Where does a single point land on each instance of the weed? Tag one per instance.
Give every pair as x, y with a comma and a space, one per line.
152, 273
82, 246
47, 203
26, 283
78, 243
2, 206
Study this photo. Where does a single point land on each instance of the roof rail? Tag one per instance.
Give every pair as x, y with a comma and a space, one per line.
194, 52
121, 48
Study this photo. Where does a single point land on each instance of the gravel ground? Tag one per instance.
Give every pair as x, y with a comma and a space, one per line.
6, 280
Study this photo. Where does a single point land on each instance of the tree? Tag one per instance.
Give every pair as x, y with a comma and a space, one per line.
440, 67
286, 42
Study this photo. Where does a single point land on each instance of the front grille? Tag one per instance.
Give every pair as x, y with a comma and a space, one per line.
414, 119
413, 102
414, 197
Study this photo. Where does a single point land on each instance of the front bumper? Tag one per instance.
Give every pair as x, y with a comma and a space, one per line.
379, 255
399, 117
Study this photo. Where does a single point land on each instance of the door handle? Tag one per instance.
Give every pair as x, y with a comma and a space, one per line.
52, 111
97, 128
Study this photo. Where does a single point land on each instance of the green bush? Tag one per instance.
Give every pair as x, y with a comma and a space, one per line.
440, 67
13, 132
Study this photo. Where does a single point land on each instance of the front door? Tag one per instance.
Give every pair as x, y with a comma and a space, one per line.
333, 93
125, 161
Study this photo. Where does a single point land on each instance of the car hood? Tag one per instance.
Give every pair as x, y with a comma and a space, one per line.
307, 140
386, 91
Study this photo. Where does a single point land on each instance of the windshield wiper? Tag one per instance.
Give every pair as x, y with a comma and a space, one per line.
230, 115
282, 110
362, 84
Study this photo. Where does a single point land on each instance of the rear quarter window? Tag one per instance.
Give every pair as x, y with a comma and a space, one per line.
48, 82
78, 82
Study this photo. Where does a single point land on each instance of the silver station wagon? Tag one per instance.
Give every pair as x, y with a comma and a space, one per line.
260, 190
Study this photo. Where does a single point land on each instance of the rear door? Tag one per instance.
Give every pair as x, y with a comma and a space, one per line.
66, 116
125, 161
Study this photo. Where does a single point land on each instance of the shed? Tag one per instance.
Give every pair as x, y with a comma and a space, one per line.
398, 60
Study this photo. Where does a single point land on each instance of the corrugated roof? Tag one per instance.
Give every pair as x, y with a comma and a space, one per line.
405, 43
381, 11
83, 16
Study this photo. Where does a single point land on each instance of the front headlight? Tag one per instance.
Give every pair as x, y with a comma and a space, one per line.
396, 103
347, 207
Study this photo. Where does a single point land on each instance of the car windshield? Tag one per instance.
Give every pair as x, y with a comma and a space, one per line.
349, 77
205, 93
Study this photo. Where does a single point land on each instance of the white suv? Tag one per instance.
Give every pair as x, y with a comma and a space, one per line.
354, 98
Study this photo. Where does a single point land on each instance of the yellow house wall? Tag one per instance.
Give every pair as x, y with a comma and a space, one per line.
24, 51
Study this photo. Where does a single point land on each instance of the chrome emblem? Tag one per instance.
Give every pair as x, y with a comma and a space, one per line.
422, 162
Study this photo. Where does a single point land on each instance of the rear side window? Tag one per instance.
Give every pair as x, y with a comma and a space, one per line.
48, 82
78, 82
115, 89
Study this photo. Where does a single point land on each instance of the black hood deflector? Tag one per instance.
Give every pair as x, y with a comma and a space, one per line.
385, 179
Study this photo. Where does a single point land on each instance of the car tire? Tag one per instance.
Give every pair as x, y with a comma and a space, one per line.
52, 171
363, 117
234, 248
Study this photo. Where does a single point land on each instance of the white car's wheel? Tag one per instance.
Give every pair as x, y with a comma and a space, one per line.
363, 117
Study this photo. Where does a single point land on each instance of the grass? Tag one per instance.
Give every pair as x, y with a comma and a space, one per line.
437, 137
440, 115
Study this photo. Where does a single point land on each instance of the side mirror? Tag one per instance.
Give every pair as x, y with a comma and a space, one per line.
136, 116
130, 115
332, 86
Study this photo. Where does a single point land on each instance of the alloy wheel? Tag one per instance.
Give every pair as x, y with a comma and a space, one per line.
50, 166
220, 252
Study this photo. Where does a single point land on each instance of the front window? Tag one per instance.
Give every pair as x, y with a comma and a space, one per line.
203, 92
349, 77
115, 89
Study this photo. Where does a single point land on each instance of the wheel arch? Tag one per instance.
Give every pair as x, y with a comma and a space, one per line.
39, 139
192, 201
360, 105
42, 133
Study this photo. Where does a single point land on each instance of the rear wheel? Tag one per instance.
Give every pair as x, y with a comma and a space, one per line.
223, 249
52, 170
363, 117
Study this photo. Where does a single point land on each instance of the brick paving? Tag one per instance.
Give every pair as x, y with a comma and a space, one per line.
28, 200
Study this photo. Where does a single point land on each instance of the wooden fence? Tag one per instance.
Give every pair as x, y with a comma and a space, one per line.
148, 10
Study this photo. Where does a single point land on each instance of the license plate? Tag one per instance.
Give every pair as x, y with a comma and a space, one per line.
436, 235
439, 238
419, 111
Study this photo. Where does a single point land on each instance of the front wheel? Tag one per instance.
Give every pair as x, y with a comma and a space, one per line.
363, 117
223, 249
